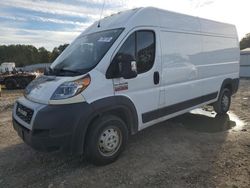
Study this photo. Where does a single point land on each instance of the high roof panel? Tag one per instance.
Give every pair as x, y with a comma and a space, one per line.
150, 16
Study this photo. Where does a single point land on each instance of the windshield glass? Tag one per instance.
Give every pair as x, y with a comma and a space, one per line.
84, 53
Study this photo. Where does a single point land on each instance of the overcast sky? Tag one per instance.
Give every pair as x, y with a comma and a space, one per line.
50, 23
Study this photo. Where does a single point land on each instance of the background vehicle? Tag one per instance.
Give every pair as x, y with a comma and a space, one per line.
125, 73
16, 80
7, 67
13, 79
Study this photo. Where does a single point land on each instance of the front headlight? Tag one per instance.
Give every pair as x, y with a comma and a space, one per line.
70, 89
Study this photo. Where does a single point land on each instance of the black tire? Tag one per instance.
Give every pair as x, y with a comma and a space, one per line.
106, 130
223, 104
10, 83
23, 83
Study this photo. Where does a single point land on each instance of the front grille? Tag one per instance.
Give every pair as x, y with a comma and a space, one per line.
24, 113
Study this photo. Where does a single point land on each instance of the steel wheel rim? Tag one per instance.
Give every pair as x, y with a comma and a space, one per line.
109, 141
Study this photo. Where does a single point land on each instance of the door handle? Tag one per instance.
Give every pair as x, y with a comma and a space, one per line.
156, 77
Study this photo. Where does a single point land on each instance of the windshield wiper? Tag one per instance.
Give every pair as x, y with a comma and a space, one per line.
67, 70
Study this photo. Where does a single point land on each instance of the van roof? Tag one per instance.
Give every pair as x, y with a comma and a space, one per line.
150, 16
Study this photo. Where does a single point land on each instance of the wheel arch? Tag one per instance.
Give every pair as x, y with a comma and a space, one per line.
120, 106
231, 84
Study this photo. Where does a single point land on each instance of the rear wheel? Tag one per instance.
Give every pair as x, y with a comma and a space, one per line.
10, 83
106, 139
223, 104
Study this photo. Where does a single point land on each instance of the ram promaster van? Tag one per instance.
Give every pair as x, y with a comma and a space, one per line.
127, 72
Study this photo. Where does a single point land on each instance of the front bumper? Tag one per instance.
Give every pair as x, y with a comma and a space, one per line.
54, 127
42, 141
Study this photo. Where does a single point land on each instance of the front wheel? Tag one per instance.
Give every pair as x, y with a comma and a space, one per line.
106, 139
223, 104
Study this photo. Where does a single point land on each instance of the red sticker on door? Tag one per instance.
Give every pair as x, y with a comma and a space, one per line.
121, 86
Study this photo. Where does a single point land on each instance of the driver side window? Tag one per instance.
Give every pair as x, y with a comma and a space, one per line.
145, 50
127, 50
139, 47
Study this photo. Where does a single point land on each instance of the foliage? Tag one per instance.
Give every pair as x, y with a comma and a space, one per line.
24, 55
245, 42
57, 51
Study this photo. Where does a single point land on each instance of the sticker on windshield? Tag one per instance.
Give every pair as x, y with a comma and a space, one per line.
105, 39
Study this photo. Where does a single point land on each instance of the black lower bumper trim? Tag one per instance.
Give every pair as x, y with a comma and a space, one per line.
44, 143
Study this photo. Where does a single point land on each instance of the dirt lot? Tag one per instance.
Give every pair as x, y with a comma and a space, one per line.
193, 150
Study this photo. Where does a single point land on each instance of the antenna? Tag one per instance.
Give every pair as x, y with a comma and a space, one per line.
99, 22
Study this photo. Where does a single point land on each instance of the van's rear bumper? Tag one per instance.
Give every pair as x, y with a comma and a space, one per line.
55, 127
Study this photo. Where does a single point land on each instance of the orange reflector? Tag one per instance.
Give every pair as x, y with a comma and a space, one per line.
86, 81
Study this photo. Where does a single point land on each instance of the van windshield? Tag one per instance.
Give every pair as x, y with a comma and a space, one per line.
84, 53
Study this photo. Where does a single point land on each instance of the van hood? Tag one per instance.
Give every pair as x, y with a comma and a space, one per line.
42, 88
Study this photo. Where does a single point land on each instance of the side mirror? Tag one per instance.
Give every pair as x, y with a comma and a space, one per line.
122, 66
127, 69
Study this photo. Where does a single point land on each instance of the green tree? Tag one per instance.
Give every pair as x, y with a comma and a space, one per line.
24, 55
20, 54
57, 51
43, 55
61, 48
245, 42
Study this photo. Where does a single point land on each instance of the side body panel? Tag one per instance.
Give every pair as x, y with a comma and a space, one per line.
220, 61
179, 73
194, 68
196, 64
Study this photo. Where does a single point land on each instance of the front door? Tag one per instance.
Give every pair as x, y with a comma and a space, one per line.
141, 46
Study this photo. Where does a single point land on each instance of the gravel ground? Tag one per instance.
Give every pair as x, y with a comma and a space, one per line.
197, 149
8, 98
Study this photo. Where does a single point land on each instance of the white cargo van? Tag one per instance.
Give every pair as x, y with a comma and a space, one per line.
134, 69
